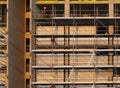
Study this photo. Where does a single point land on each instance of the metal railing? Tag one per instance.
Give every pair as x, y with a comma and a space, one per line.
75, 41
89, 13
72, 79
49, 14
73, 31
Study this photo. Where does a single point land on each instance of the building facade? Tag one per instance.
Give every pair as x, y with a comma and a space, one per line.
60, 44
75, 44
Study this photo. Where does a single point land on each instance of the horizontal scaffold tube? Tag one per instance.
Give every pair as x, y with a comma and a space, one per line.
75, 67
83, 83
76, 36
75, 51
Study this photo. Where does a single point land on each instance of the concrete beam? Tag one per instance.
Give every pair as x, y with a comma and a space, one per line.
111, 8
67, 8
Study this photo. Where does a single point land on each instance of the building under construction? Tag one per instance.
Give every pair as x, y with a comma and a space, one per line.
59, 43
75, 43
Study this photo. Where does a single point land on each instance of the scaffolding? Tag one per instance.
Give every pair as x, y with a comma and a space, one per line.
3, 47
87, 49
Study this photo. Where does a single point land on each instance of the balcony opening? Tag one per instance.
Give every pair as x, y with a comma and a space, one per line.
117, 30
89, 10
49, 11
117, 10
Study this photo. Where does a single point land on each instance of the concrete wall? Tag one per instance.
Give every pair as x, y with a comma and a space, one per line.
16, 33
80, 30
76, 76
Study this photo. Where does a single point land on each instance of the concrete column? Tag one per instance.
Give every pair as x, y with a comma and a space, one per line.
57, 76
110, 59
110, 56
110, 77
111, 8
66, 59
110, 31
66, 42
67, 8
66, 77
66, 33
16, 44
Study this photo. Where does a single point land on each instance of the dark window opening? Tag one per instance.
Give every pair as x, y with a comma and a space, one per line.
49, 11
88, 10
3, 69
3, 47
27, 25
117, 71
27, 45
102, 30
27, 5
27, 41
27, 65
2, 85
27, 83
116, 10
27, 21
27, 48
117, 30
3, 16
